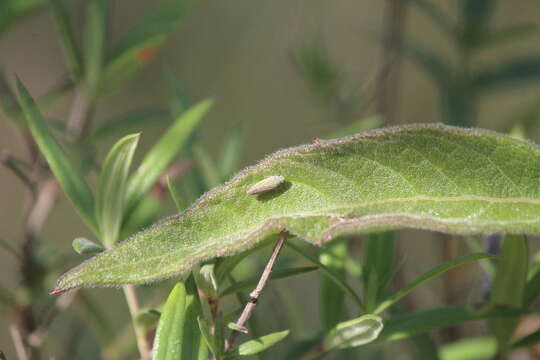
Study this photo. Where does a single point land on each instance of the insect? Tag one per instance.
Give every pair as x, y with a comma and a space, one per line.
267, 184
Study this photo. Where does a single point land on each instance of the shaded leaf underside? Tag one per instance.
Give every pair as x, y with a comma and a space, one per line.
433, 177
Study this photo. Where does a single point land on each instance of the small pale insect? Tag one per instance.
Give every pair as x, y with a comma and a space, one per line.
270, 183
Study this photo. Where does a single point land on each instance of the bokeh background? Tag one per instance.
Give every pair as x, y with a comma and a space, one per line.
250, 57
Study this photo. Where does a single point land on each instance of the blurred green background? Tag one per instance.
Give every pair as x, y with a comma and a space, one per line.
244, 54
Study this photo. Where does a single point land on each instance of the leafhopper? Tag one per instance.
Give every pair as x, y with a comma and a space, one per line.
267, 184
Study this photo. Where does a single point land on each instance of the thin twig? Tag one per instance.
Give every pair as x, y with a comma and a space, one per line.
20, 349
133, 304
9, 162
256, 293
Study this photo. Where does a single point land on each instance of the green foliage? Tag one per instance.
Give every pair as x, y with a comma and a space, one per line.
84, 246
360, 184
178, 336
63, 169
353, 333
255, 346
110, 197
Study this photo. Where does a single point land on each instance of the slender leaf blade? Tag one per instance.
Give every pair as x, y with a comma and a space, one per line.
63, 169
162, 153
433, 177
436, 271
178, 336
257, 345
111, 192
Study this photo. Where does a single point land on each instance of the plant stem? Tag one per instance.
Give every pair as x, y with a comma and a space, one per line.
20, 349
133, 305
256, 293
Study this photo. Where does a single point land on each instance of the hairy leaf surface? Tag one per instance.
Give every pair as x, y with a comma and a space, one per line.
433, 177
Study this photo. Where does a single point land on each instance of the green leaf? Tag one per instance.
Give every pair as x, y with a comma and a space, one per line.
174, 195
178, 336
332, 297
508, 286
479, 348
209, 338
378, 267
161, 154
476, 13
65, 172
328, 273
257, 345
436, 271
528, 340
111, 192
433, 177
532, 288
411, 324
276, 274
353, 333
207, 167
94, 44
84, 246
71, 49
12, 11
132, 121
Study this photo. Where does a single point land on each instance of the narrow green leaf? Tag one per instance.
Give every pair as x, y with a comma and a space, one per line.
156, 24
123, 65
111, 191
476, 13
332, 297
328, 273
94, 43
71, 49
178, 336
255, 346
508, 288
378, 267
276, 274
131, 121
174, 195
432, 177
532, 288
209, 338
436, 271
84, 246
411, 324
527, 341
65, 172
224, 266
12, 11
207, 167
353, 333
162, 153
479, 348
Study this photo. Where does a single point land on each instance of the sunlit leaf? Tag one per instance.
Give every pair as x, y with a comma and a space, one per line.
111, 192
433, 177
479, 348
353, 333
84, 246
257, 345
178, 336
